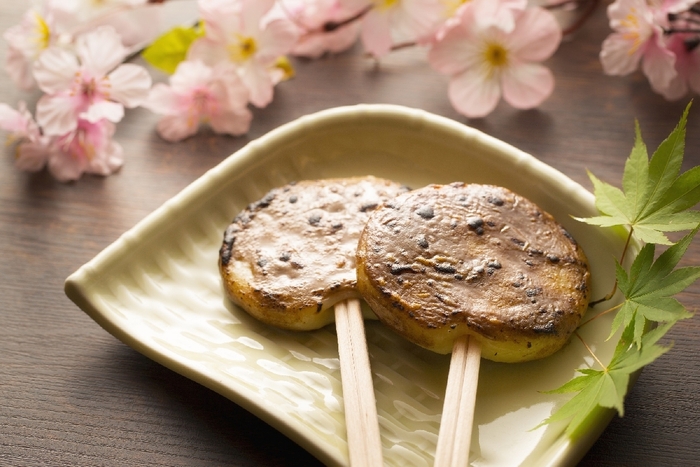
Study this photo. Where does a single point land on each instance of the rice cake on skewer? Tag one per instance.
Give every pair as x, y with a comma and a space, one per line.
476, 270
289, 261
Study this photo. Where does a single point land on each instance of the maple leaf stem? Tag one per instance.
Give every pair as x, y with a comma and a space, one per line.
627, 244
602, 313
614, 289
590, 351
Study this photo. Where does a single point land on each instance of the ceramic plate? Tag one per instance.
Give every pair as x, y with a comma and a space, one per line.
157, 288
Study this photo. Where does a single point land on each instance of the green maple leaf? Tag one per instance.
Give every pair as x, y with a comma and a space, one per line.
654, 198
649, 288
166, 52
607, 387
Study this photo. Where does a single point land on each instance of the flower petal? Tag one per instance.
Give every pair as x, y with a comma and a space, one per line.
502, 14
107, 110
618, 57
136, 26
276, 39
314, 45
228, 87
252, 12
177, 127
658, 64
258, 82
676, 89
455, 52
162, 100
19, 69
376, 33
190, 74
218, 16
12, 120
129, 84
232, 123
108, 160
64, 166
208, 51
100, 50
536, 35
55, 70
31, 157
527, 85
473, 95
57, 115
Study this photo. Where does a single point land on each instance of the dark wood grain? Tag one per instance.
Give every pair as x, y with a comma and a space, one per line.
72, 395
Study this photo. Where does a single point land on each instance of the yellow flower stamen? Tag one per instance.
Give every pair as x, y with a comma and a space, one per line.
495, 57
631, 25
11, 139
105, 87
196, 113
84, 144
242, 49
42, 32
451, 6
385, 4
285, 66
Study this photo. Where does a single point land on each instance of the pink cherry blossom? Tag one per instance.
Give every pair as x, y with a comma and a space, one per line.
199, 94
89, 84
18, 122
86, 149
312, 18
500, 14
687, 66
637, 37
661, 8
677, 20
237, 32
27, 41
484, 60
32, 149
89, 148
393, 22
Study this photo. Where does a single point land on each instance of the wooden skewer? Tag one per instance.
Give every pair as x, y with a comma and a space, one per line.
364, 443
457, 418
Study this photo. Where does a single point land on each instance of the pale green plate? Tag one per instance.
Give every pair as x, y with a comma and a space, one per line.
157, 288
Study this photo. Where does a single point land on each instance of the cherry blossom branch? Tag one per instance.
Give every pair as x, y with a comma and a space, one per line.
328, 26
333, 25
688, 16
669, 31
691, 44
679, 16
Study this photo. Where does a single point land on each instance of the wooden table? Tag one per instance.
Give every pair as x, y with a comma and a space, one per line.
73, 395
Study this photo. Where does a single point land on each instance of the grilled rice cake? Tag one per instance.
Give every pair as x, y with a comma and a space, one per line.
451, 260
289, 257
